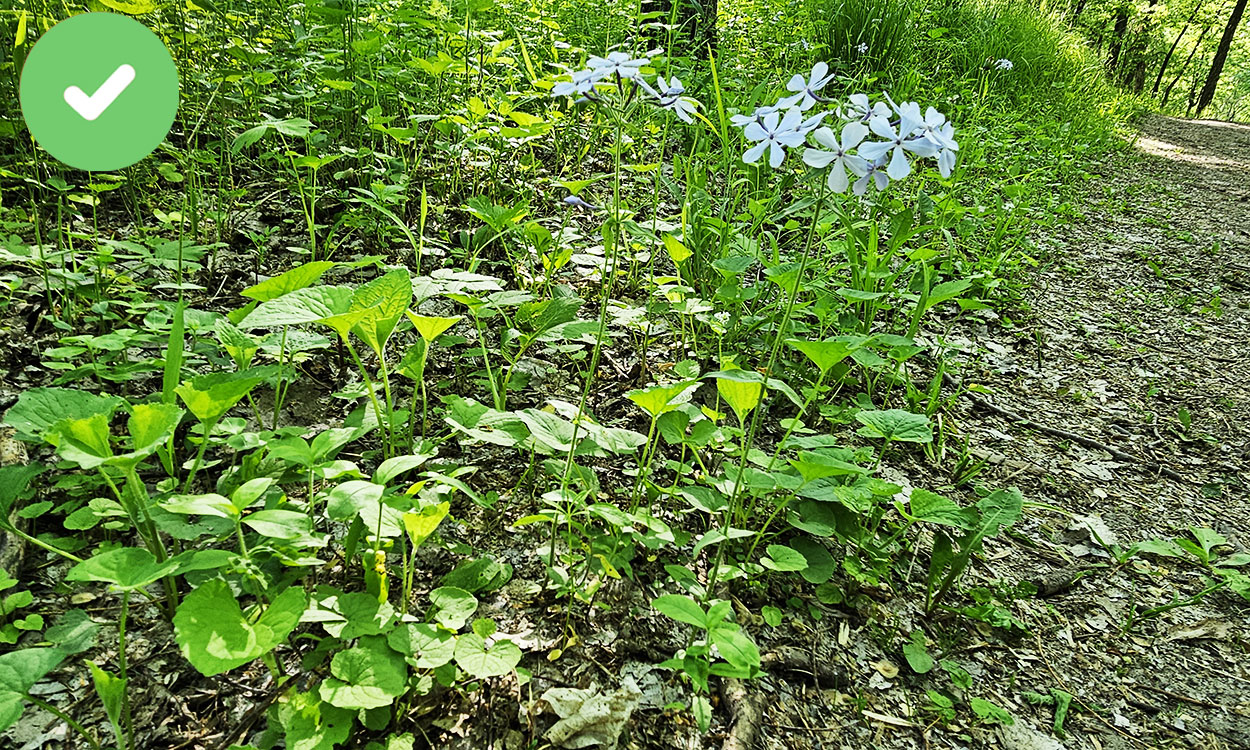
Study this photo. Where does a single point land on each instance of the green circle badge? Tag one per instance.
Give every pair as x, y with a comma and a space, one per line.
99, 91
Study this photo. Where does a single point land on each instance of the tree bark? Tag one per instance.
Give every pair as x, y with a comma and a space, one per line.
1168, 57
1117, 37
1221, 55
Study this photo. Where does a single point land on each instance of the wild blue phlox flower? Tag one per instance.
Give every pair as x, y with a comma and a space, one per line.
776, 133
807, 91
836, 155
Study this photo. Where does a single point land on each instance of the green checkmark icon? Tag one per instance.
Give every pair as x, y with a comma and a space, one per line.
99, 91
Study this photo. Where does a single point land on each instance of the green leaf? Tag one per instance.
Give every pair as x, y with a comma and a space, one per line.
300, 307
782, 559
386, 298
676, 250
820, 563
824, 354
393, 467
73, 632
151, 426
660, 399
701, 707
430, 327
201, 505
681, 608
990, 713
83, 441
128, 568
214, 636
424, 646
362, 615
362, 499
933, 508
771, 615
112, 692
209, 397
917, 655
310, 723
742, 396
895, 425
735, 647
999, 509
946, 291
480, 662
38, 409
455, 606
370, 675
288, 525
420, 524
19, 671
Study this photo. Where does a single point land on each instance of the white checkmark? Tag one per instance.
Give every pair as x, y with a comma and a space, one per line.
91, 107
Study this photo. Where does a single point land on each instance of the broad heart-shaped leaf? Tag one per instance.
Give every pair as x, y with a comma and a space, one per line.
824, 354
127, 568
364, 499
370, 675
209, 397
742, 396
37, 409
659, 399
299, 307
297, 278
895, 425
345, 322
681, 608
150, 427
312, 724
387, 297
781, 558
933, 508
999, 509
455, 606
539, 316
362, 614
423, 645
19, 671
820, 563
483, 423
480, 662
947, 290
430, 327
83, 441
420, 524
676, 250
15, 481
214, 636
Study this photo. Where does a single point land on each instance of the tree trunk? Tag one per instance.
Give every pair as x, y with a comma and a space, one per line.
1135, 78
694, 22
1185, 67
1221, 54
1117, 37
1168, 57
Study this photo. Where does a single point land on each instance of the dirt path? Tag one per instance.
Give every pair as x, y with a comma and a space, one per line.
1139, 339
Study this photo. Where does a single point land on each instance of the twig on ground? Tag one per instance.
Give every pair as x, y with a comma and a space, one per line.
1011, 416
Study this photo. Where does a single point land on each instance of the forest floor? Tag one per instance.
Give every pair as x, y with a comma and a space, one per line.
1117, 402
1138, 339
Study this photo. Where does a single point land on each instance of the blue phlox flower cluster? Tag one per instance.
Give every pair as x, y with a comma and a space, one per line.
618, 68
878, 142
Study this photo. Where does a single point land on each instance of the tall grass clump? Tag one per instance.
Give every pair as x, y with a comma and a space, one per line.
865, 35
